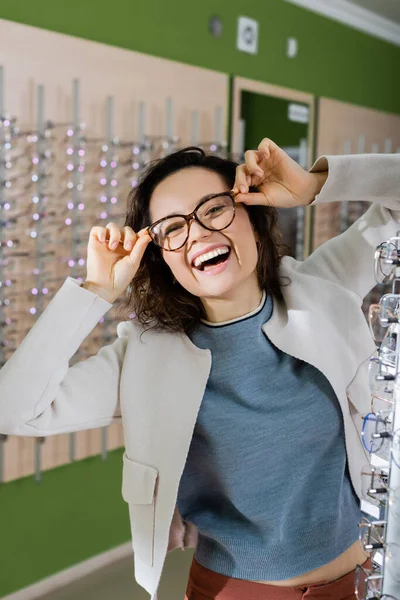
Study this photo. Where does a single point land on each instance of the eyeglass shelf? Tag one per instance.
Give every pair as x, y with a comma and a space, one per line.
379, 463
383, 511
372, 510
368, 507
378, 559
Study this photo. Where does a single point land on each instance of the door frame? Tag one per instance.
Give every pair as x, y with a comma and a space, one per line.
241, 84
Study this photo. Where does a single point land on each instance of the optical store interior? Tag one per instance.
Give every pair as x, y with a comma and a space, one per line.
215, 413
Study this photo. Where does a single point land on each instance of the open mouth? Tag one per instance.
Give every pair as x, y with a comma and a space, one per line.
210, 259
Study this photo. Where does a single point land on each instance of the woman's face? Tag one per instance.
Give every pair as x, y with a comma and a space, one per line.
180, 193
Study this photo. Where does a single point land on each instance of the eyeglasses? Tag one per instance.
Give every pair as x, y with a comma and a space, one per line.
386, 260
371, 535
390, 312
376, 491
367, 582
376, 434
374, 486
214, 213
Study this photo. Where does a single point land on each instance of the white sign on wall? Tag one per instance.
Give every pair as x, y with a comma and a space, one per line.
298, 113
247, 35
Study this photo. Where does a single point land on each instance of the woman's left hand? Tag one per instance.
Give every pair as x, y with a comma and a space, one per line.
281, 181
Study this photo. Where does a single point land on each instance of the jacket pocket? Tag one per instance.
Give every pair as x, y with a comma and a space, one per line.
138, 490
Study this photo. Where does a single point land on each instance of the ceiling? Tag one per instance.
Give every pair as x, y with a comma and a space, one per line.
389, 9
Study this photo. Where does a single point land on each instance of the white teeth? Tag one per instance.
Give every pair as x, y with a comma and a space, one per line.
199, 260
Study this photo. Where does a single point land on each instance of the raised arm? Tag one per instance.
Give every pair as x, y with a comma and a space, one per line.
40, 394
280, 182
347, 259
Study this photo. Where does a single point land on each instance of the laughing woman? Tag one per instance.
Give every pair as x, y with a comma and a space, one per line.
242, 381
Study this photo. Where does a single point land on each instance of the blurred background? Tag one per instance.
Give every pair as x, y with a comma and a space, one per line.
90, 92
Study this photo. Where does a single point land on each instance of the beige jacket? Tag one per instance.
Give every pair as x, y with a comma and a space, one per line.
154, 384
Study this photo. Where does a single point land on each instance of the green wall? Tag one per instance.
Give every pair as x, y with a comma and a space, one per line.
269, 114
333, 60
77, 511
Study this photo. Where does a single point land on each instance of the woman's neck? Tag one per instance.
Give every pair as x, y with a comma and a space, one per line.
245, 299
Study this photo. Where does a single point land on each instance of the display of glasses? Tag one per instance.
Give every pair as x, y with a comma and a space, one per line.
380, 533
57, 181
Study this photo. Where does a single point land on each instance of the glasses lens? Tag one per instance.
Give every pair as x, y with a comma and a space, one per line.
374, 486
217, 213
367, 582
371, 535
385, 262
360, 578
374, 424
171, 233
377, 330
381, 389
390, 306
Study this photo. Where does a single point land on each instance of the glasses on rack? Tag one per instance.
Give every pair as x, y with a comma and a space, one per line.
382, 366
371, 535
214, 213
382, 390
382, 371
368, 583
376, 432
390, 307
377, 328
381, 315
374, 488
386, 260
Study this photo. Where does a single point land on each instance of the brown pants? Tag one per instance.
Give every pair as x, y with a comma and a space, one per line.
208, 585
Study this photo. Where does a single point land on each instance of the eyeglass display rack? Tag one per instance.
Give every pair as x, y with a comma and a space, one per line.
382, 501
56, 182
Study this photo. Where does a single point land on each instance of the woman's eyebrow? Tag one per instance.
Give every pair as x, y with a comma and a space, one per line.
176, 214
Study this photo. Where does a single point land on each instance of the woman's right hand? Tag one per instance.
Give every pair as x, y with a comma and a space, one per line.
110, 270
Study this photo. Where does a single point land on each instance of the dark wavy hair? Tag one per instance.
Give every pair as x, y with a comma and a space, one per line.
153, 296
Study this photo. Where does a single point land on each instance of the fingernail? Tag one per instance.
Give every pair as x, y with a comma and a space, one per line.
129, 245
243, 189
259, 173
114, 245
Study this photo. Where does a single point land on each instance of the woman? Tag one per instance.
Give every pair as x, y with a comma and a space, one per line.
242, 381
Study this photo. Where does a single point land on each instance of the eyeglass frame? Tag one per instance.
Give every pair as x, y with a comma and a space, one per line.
193, 217
376, 490
394, 263
371, 575
371, 528
381, 435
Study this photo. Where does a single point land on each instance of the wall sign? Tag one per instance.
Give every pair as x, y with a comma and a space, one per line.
247, 35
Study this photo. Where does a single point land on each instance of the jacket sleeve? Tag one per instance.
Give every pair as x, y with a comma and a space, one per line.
40, 394
348, 259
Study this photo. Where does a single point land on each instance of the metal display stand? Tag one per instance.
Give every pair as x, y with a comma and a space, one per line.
381, 437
